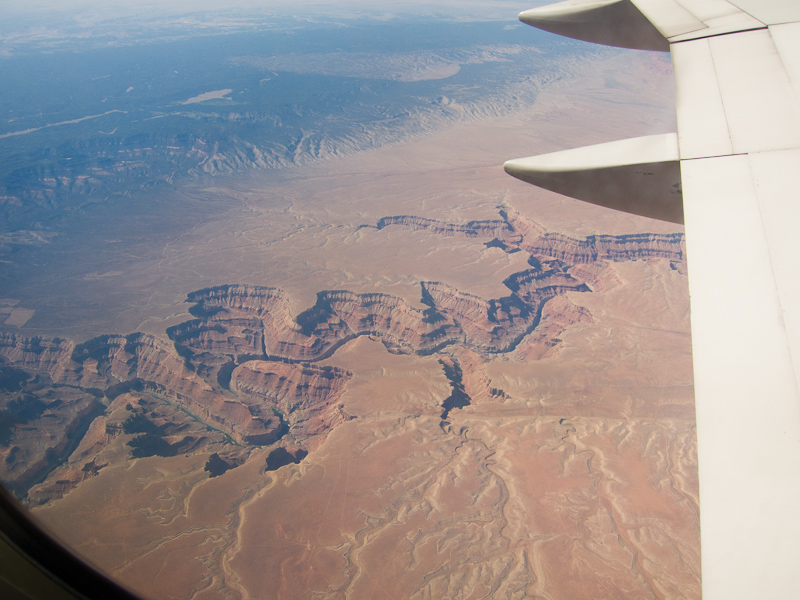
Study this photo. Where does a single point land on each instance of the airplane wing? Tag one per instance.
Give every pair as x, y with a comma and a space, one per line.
736, 165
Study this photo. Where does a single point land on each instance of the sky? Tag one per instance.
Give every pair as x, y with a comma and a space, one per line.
141, 7
54, 21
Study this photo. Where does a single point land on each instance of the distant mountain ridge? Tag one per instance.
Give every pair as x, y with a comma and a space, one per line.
113, 121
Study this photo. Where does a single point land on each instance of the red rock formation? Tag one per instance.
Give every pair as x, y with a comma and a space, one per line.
599, 276
119, 363
401, 326
110, 359
557, 315
335, 318
535, 285
517, 232
37, 353
525, 227
607, 247
238, 323
498, 229
476, 383
251, 315
489, 326
307, 397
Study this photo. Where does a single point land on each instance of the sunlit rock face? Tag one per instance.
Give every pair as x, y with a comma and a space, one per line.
274, 322
307, 394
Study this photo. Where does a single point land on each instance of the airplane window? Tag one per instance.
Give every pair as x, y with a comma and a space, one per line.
274, 322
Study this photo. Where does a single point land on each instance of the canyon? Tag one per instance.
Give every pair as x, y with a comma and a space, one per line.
248, 381
305, 338
246, 368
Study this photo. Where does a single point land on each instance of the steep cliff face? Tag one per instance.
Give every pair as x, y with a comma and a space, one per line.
305, 398
144, 400
111, 359
515, 231
251, 314
536, 286
341, 315
497, 229
151, 360
526, 227
488, 326
252, 322
49, 355
237, 321
606, 247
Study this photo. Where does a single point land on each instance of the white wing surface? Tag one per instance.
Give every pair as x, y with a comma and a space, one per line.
737, 72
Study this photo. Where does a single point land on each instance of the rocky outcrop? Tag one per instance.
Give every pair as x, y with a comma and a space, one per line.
497, 229
239, 320
477, 384
488, 326
599, 276
169, 406
255, 322
250, 315
117, 364
48, 355
607, 247
538, 285
342, 315
557, 315
518, 232
108, 360
305, 398
520, 223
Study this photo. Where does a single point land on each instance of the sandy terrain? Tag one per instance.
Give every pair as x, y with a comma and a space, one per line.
572, 473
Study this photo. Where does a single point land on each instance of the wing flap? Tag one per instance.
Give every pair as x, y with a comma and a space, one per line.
689, 19
721, 25
734, 95
669, 17
702, 126
748, 406
771, 12
756, 92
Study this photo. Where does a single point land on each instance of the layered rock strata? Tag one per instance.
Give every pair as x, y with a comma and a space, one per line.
305, 397
233, 326
76, 409
514, 232
242, 370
